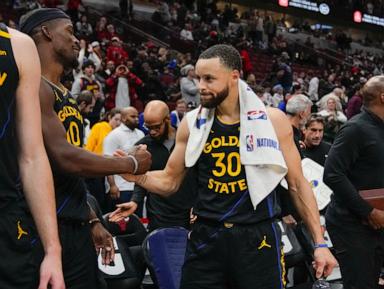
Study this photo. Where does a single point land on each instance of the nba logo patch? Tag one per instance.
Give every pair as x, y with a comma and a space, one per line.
314, 183
250, 143
256, 114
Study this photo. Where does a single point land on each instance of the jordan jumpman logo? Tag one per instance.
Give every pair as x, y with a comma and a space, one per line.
264, 244
20, 231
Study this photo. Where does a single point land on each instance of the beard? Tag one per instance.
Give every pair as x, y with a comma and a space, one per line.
215, 100
164, 136
68, 60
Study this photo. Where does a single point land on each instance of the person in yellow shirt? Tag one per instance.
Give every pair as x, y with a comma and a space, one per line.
101, 129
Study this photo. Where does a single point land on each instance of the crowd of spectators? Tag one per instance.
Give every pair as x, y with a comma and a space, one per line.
120, 74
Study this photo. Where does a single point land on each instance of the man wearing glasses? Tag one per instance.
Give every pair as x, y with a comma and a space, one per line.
123, 138
161, 211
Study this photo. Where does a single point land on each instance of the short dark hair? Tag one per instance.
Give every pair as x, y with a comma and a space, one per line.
88, 63
227, 54
86, 96
314, 118
110, 114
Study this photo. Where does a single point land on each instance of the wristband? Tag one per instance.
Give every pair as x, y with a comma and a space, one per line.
320, 246
135, 163
93, 221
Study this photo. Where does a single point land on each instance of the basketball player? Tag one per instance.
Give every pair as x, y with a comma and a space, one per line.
52, 31
25, 175
231, 244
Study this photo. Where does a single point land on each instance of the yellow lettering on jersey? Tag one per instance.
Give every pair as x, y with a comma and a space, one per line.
223, 141
68, 111
227, 188
3, 76
242, 184
3, 53
224, 189
73, 134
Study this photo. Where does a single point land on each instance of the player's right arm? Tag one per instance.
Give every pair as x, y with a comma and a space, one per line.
78, 161
168, 180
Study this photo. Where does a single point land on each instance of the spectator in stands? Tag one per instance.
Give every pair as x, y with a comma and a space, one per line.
103, 75
328, 86
313, 146
95, 49
121, 87
186, 32
189, 85
153, 88
116, 53
278, 95
88, 82
83, 27
313, 88
270, 28
101, 29
337, 93
162, 211
333, 117
163, 10
284, 72
86, 102
179, 112
298, 111
73, 7
111, 32
267, 96
101, 129
247, 64
251, 81
355, 103
122, 138
167, 78
87, 52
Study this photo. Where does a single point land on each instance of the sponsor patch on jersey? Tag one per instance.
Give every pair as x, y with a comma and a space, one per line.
256, 114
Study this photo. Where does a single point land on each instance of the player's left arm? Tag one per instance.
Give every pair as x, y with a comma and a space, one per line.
301, 192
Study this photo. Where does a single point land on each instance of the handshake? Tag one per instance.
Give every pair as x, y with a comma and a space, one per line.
141, 158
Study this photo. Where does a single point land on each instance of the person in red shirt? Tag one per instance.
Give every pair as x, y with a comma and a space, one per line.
113, 82
247, 64
73, 8
116, 53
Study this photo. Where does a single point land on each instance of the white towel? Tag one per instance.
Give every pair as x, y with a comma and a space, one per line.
259, 147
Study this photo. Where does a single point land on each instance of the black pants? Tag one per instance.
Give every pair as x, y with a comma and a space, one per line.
20, 258
360, 255
96, 187
237, 257
21, 252
79, 256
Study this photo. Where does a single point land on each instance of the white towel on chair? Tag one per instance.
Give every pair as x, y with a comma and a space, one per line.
259, 147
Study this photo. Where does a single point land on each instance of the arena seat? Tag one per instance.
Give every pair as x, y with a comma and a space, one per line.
164, 252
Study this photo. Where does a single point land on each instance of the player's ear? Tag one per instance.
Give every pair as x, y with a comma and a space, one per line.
46, 32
